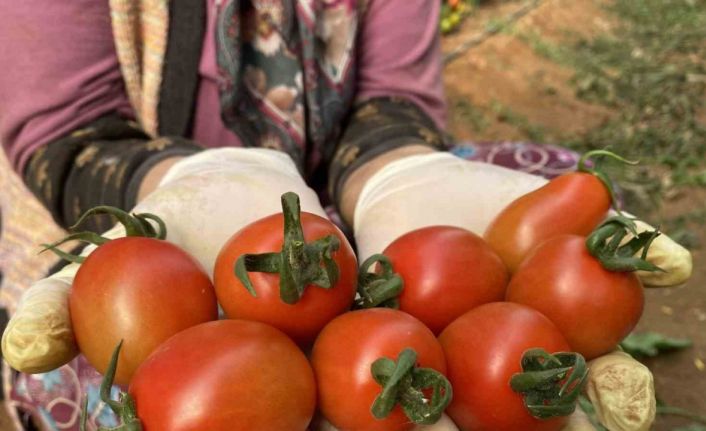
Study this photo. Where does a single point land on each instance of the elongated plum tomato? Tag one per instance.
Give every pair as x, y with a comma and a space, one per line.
573, 203
305, 314
344, 353
446, 271
484, 348
228, 375
139, 290
594, 308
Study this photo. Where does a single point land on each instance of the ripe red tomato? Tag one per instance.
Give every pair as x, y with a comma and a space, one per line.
139, 290
594, 308
573, 203
227, 375
483, 349
342, 357
302, 320
446, 271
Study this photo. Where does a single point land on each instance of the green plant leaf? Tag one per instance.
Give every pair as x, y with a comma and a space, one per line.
651, 344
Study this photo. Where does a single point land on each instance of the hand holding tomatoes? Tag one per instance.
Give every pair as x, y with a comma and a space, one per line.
203, 199
138, 289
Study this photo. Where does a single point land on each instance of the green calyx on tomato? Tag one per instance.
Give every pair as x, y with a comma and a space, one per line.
582, 167
403, 383
378, 289
124, 409
298, 264
550, 384
604, 244
135, 225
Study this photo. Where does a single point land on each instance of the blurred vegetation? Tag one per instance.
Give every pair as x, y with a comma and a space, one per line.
650, 70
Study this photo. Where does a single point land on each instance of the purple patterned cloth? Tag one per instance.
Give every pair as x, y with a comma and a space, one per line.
53, 399
548, 161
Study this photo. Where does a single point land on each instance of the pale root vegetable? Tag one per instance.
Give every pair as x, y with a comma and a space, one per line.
667, 254
203, 199
622, 392
39, 336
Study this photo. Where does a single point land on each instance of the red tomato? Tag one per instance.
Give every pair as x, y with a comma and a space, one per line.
303, 320
342, 359
573, 203
139, 290
228, 375
446, 271
594, 308
483, 349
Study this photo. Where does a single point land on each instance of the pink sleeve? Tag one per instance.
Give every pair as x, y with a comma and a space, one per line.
59, 71
399, 54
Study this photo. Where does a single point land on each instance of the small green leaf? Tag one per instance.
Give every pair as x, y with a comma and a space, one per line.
652, 344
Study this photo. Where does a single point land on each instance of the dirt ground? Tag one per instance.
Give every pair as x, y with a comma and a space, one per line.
505, 71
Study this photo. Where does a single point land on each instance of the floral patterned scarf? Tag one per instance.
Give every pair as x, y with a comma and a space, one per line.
288, 72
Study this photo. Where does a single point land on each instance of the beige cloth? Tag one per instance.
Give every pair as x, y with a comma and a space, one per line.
25, 225
141, 28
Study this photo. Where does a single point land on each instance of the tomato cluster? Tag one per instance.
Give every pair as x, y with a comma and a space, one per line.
493, 331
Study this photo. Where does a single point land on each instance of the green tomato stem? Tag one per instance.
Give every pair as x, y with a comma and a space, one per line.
135, 225
583, 167
299, 263
403, 384
125, 408
550, 384
604, 244
378, 289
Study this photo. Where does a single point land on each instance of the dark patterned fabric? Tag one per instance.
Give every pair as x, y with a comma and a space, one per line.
290, 87
375, 127
100, 164
177, 93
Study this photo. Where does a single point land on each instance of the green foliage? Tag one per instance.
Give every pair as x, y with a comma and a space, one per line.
652, 344
652, 72
507, 115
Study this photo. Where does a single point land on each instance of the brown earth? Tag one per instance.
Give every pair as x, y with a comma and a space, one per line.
505, 70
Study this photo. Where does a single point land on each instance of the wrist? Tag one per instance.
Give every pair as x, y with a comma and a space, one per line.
354, 184
152, 178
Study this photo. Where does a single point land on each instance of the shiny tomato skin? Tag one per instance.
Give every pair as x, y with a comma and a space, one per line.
446, 271
141, 291
572, 203
483, 350
345, 350
593, 307
227, 375
301, 321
